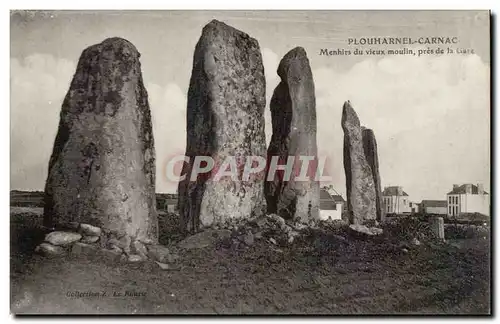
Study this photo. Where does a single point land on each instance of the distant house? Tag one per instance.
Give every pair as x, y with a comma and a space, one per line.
330, 206
166, 202
435, 207
395, 200
468, 199
415, 207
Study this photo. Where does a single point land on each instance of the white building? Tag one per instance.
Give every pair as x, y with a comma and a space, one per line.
166, 202
330, 206
395, 200
468, 199
414, 207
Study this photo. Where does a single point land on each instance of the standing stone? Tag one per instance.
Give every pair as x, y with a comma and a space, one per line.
293, 111
361, 192
102, 169
437, 226
225, 118
371, 154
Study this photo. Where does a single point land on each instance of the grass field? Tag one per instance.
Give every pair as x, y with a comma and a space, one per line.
312, 276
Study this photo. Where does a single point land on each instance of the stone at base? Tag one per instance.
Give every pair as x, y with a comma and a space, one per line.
159, 253
165, 266
146, 241
140, 249
62, 238
89, 230
70, 225
135, 258
249, 239
122, 243
291, 236
48, 249
277, 219
89, 239
364, 230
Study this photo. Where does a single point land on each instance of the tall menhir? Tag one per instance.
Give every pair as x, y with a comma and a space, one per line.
293, 110
225, 118
360, 182
102, 169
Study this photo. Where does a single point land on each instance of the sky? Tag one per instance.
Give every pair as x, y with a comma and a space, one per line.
430, 113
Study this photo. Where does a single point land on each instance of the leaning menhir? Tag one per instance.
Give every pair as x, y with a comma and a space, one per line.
360, 185
371, 155
225, 119
102, 169
293, 110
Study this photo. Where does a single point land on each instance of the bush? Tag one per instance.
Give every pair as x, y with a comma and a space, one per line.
462, 231
407, 228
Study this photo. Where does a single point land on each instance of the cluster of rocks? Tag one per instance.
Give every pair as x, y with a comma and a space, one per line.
275, 230
239, 233
88, 240
271, 228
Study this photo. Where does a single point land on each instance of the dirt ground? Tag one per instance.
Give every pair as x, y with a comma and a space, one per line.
314, 275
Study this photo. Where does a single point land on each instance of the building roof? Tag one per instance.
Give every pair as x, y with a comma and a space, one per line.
328, 201
392, 191
327, 205
338, 198
462, 190
323, 194
434, 203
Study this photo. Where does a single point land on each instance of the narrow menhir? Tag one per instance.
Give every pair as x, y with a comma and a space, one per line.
293, 111
102, 169
225, 118
371, 154
360, 185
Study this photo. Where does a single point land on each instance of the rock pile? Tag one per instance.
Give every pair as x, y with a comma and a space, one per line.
243, 233
88, 240
270, 228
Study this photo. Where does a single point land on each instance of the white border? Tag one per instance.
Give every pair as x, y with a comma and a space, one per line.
186, 4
